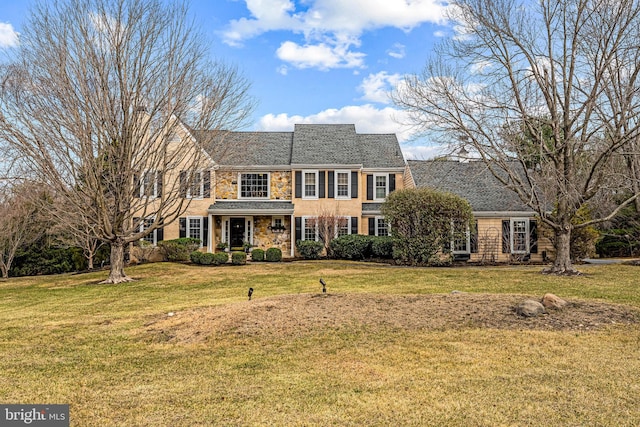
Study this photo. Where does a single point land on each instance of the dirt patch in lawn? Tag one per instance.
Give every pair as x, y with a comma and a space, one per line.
291, 315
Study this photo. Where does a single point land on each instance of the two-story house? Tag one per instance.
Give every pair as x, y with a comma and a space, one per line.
266, 189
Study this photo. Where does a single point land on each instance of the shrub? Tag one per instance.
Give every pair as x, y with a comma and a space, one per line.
41, 258
382, 247
196, 257
351, 246
309, 249
421, 223
273, 255
257, 255
238, 258
178, 249
206, 259
220, 258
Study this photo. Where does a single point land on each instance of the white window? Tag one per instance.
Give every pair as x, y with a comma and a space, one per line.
196, 189
380, 186
519, 236
194, 227
343, 184
254, 186
149, 186
461, 243
152, 237
309, 228
343, 226
382, 227
309, 184
277, 223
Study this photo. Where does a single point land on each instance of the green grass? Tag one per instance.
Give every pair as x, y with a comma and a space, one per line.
66, 339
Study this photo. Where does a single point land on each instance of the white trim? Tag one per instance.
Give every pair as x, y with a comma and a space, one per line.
526, 236
328, 166
201, 196
292, 233
188, 227
376, 219
304, 182
386, 186
348, 218
141, 187
335, 186
240, 197
467, 244
154, 233
304, 228
212, 234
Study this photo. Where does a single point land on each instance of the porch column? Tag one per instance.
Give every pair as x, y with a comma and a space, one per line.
292, 232
212, 234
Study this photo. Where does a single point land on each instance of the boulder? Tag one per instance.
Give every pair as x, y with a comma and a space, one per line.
530, 308
553, 301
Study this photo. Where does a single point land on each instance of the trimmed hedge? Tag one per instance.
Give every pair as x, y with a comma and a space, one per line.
238, 258
273, 255
196, 257
206, 259
382, 247
351, 246
257, 255
220, 258
309, 249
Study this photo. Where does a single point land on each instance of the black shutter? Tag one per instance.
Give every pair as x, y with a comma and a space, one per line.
533, 236
298, 228
159, 185
159, 234
372, 226
206, 179
354, 225
474, 238
205, 231
369, 187
183, 227
183, 184
331, 184
506, 236
392, 182
321, 184
298, 184
354, 185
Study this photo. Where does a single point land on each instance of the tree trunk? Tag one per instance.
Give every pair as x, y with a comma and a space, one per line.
116, 272
562, 242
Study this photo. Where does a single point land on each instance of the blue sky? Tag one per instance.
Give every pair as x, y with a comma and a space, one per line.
313, 61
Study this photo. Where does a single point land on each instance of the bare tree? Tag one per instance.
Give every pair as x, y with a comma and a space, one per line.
565, 72
99, 102
330, 224
17, 223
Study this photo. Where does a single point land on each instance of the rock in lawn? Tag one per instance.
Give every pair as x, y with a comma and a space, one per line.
553, 301
530, 308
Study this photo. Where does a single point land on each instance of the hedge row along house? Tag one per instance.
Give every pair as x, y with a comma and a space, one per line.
270, 189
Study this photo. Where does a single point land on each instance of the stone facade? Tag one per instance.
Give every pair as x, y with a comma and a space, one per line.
265, 238
227, 185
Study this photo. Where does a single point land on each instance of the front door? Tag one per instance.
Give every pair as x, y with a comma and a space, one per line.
237, 233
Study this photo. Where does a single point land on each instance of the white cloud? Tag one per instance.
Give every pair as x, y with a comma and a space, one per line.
440, 33
376, 87
367, 118
8, 36
322, 56
331, 27
397, 52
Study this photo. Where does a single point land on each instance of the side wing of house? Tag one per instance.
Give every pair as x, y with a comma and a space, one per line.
504, 228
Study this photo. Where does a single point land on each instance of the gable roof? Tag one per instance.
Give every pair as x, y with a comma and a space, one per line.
472, 181
308, 145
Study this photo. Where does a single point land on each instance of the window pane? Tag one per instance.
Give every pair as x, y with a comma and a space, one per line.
254, 185
310, 184
196, 185
343, 184
519, 236
383, 228
460, 240
195, 228
309, 229
343, 226
381, 187
151, 236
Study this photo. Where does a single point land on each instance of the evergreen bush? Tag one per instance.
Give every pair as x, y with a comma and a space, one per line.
309, 249
178, 249
257, 255
220, 258
238, 258
273, 255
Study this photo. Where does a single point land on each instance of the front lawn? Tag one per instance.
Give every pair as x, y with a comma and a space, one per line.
182, 346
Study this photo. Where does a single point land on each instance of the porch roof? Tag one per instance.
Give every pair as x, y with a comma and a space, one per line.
242, 207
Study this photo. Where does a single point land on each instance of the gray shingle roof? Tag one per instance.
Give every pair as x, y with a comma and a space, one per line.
472, 181
250, 206
308, 144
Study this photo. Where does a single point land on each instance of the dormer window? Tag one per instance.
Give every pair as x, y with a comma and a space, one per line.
254, 185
